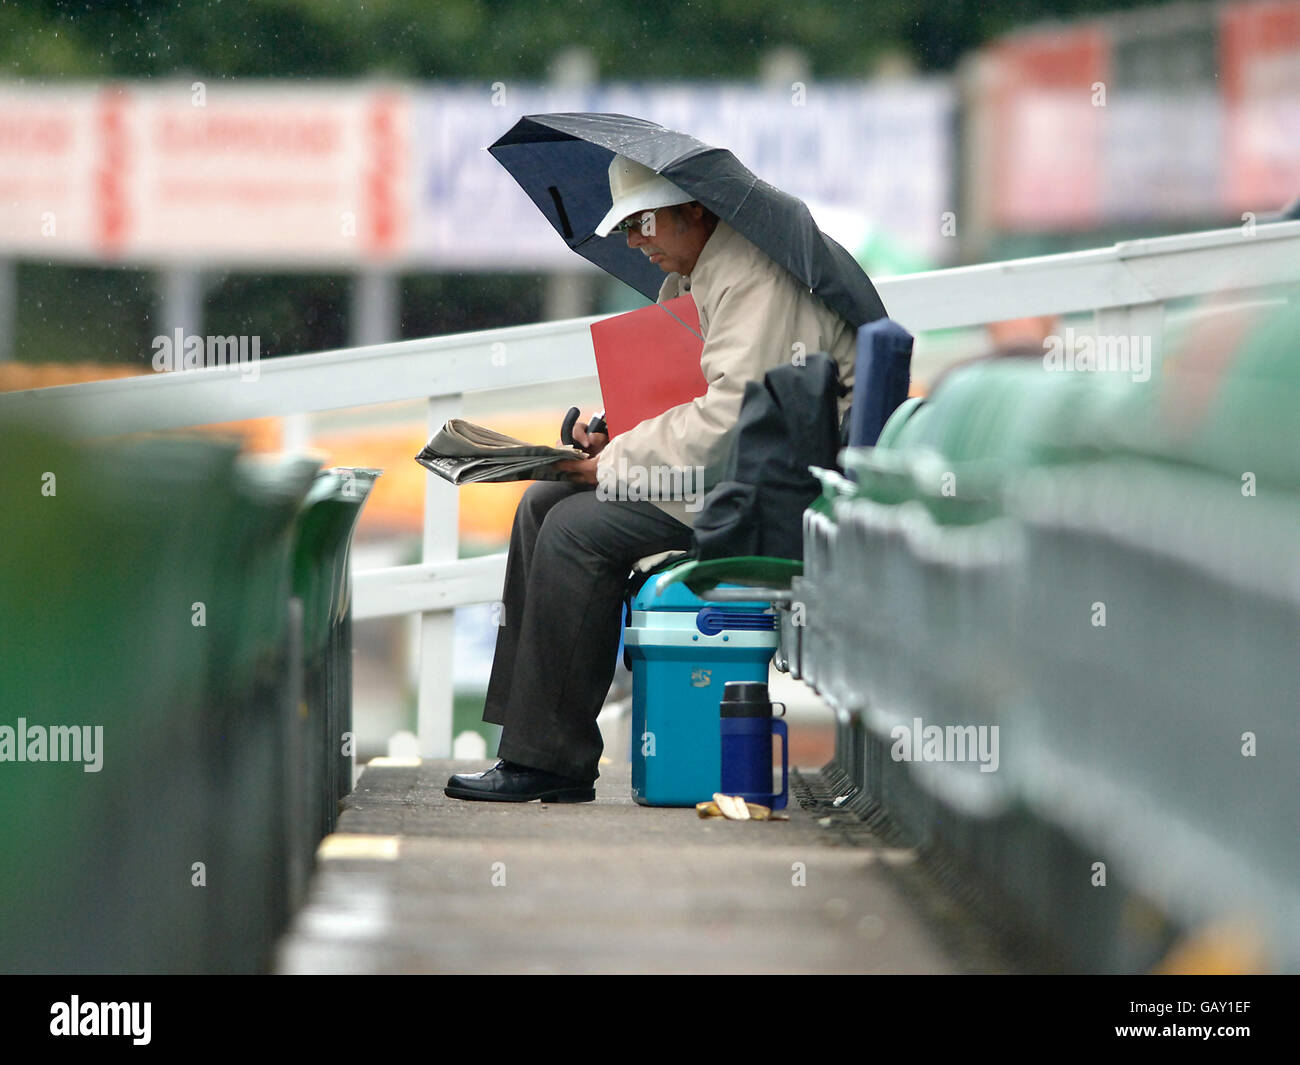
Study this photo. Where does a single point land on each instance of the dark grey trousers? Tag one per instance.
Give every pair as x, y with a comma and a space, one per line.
557, 644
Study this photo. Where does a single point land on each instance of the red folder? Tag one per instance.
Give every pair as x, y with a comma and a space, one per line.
648, 361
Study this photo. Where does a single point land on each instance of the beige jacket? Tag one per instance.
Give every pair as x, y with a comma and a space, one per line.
754, 316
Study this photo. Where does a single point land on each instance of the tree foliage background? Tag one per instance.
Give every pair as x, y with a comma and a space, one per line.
497, 38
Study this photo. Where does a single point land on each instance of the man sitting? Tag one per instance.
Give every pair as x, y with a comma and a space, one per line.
572, 548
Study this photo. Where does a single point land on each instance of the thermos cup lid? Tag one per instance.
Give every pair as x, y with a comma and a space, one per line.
745, 698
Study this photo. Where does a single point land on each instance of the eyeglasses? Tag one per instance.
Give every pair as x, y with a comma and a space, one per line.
635, 221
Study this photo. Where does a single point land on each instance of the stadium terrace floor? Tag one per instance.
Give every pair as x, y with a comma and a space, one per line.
415, 882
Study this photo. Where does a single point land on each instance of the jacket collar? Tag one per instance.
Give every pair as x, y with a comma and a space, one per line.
714, 249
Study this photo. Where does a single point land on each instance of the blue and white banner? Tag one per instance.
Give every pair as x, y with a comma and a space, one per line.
864, 158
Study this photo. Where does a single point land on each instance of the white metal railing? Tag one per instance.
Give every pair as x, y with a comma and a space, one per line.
1126, 286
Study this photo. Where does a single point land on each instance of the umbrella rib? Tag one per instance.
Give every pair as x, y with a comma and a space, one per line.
750, 188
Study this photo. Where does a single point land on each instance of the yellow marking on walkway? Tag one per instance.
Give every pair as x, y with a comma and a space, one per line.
897, 855
383, 762
344, 845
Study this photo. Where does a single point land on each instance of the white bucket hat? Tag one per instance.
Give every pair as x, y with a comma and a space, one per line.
633, 188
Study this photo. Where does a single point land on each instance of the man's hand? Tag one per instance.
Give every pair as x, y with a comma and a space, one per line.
591, 443
583, 471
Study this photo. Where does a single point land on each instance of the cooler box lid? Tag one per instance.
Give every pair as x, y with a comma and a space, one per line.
679, 597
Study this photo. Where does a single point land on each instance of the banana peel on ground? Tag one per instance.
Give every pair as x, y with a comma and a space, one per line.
734, 808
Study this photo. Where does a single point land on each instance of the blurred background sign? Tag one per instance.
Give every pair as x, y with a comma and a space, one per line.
1261, 87
236, 174
50, 157
268, 172
278, 174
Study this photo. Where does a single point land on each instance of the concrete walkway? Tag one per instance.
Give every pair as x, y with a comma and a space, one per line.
414, 882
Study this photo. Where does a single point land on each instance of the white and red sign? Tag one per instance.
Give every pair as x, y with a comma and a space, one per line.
53, 189
1260, 49
206, 172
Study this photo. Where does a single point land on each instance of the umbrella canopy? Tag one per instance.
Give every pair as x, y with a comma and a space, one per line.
562, 162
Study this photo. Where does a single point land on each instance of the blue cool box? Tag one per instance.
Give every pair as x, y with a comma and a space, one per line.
683, 651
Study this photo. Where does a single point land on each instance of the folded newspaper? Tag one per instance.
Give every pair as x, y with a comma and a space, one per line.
462, 452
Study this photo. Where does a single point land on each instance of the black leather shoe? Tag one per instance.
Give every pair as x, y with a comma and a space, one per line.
512, 782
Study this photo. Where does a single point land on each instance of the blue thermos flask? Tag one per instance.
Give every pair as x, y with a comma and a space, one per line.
747, 727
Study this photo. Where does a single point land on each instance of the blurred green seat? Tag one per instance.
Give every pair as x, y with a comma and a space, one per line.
322, 550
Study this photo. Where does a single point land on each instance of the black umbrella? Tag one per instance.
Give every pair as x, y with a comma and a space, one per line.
562, 162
